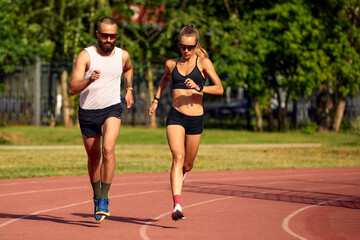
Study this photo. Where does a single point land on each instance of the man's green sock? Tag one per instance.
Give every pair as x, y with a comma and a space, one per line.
105, 187
96, 189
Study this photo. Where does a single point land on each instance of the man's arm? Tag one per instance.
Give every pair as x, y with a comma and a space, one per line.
77, 83
128, 76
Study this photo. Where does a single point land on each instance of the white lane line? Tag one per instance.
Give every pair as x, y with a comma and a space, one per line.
113, 184
40, 191
72, 188
74, 204
144, 227
285, 223
200, 175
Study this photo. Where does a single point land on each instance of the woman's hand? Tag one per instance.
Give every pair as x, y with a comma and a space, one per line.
153, 107
191, 84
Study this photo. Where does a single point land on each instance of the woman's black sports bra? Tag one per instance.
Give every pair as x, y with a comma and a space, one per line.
179, 80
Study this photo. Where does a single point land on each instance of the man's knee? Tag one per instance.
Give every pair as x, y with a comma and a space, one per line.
108, 151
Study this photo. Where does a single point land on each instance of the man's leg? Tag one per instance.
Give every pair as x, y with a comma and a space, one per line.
92, 147
110, 132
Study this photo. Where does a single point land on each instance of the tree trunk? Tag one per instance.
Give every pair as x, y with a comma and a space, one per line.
339, 113
149, 78
286, 109
280, 114
270, 116
259, 122
321, 111
65, 100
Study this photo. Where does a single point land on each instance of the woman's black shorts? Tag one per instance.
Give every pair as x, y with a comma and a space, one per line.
192, 124
92, 120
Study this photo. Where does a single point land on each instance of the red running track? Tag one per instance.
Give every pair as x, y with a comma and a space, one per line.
255, 204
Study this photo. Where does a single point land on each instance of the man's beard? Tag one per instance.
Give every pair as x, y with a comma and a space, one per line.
106, 48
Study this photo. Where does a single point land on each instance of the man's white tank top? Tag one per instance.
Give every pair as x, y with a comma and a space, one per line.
105, 91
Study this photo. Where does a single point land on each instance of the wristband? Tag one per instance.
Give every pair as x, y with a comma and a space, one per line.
155, 98
129, 88
200, 87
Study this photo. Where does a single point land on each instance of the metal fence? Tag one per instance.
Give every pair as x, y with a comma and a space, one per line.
18, 100
18, 97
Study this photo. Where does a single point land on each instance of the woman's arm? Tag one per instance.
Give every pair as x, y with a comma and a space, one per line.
169, 65
216, 88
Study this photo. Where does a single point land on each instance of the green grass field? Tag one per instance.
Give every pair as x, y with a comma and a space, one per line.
145, 150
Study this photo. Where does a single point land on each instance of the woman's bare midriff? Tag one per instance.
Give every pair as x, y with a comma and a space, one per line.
188, 102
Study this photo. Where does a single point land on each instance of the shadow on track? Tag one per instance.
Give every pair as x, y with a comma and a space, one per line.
49, 218
139, 221
275, 194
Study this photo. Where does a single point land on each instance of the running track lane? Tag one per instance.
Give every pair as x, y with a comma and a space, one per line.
257, 204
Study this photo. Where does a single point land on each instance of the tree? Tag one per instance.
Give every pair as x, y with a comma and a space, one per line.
272, 48
67, 29
145, 37
19, 43
152, 36
341, 43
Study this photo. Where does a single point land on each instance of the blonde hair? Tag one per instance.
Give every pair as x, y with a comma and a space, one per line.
190, 31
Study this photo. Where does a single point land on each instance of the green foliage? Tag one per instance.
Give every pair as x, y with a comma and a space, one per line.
264, 46
16, 45
341, 43
310, 128
355, 125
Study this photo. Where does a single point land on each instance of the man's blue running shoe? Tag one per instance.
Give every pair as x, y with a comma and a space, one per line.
103, 208
96, 206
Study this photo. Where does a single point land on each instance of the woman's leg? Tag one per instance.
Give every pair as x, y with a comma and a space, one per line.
192, 143
176, 140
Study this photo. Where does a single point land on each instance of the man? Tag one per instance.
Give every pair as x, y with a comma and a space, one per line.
97, 77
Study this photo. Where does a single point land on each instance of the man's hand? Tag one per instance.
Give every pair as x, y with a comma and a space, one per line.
129, 99
95, 75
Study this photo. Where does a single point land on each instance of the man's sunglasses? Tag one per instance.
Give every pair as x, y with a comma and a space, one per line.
188, 47
106, 35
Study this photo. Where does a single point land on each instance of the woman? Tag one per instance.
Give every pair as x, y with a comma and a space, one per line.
185, 121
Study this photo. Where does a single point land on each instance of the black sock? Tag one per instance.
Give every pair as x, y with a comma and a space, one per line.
96, 189
105, 190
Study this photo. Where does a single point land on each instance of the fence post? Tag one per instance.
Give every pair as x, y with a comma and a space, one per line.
37, 92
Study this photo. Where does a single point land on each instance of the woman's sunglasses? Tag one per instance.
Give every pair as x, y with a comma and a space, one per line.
188, 47
106, 35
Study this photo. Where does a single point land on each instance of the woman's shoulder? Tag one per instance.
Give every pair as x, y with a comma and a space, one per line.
170, 63
204, 62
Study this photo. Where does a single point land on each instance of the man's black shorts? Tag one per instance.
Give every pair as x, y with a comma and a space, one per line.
92, 120
192, 124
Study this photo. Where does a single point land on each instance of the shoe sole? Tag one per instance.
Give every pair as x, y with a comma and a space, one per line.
102, 218
107, 214
177, 215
